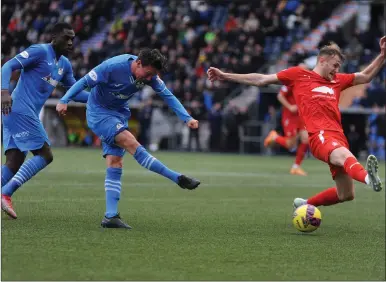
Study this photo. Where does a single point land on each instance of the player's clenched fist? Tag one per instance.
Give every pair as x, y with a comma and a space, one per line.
193, 123
215, 74
61, 109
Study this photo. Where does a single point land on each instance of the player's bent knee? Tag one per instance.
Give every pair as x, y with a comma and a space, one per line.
49, 157
291, 142
339, 156
114, 161
346, 197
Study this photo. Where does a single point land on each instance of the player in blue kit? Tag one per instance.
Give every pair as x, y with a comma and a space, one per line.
43, 67
112, 84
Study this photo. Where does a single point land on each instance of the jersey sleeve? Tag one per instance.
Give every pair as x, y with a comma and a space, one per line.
288, 76
30, 56
99, 74
157, 84
346, 80
160, 88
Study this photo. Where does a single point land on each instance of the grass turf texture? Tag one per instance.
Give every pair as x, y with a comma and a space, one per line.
235, 226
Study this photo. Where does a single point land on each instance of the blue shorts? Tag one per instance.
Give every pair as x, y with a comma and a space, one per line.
22, 132
106, 127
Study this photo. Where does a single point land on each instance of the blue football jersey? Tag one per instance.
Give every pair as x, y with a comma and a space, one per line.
40, 74
113, 84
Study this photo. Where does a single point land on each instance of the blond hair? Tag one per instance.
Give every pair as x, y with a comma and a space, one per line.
331, 49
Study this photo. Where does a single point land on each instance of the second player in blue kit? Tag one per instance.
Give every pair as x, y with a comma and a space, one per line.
43, 67
112, 84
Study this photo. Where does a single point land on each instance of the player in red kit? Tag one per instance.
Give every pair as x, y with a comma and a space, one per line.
293, 128
317, 95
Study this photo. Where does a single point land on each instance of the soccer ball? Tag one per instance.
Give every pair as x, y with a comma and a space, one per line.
307, 218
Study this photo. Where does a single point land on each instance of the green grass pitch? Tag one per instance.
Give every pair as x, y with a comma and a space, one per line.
235, 226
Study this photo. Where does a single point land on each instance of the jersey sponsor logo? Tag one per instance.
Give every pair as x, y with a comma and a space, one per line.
324, 89
21, 134
120, 96
92, 74
24, 54
334, 144
50, 80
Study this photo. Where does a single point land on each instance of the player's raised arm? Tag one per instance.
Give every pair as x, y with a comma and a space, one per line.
160, 88
255, 79
371, 70
94, 77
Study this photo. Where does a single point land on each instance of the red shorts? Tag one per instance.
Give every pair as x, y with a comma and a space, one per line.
323, 143
291, 125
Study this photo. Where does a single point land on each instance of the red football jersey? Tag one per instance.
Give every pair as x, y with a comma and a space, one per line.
288, 94
316, 97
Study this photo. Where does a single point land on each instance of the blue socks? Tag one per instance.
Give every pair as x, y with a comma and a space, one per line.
6, 175
113, 190
149, 162
25, 173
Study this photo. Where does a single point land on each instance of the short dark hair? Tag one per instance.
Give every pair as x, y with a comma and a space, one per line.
59, 27
331, 49
154, 58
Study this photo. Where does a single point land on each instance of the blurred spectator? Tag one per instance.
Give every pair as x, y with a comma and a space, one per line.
195, 110
145, 116
353, 140
215, 121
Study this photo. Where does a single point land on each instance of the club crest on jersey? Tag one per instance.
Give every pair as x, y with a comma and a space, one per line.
50, 80
139, 84
324, 90
60, 71
119, 126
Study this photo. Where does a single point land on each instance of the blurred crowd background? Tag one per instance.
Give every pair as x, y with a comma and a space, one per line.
236, 36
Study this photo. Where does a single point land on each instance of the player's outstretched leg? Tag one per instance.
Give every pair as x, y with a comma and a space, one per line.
342, 157
28, 169
126, 140
372, 170
344, 191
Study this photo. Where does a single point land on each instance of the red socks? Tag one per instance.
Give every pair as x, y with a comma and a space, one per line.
281, 141
301, 151
327, 197
353, 168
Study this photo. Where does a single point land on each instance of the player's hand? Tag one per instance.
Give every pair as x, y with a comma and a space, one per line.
215, 74
193, 123
6, 102
61, 109
293, 109
382, 44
